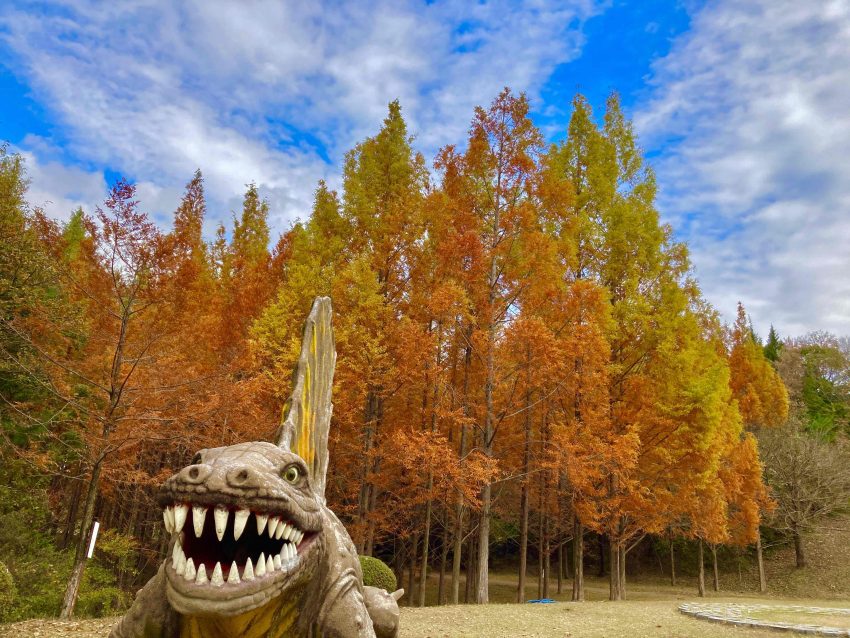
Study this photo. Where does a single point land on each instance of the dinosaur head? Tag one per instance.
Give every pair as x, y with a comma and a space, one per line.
246, 525
247, 519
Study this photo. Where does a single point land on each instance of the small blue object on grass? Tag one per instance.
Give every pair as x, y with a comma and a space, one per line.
545, 601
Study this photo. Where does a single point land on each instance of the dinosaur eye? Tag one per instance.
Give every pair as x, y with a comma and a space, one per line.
291, 474
196, 459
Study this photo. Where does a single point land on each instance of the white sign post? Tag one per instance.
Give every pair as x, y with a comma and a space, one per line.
93, 538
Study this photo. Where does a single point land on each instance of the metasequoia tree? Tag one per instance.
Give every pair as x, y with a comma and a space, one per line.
760, 392
358, 250
492, 181
761, 395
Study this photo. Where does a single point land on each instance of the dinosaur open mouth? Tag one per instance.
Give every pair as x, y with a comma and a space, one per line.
217, 545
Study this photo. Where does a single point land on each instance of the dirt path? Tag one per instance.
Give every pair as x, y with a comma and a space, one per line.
629, 619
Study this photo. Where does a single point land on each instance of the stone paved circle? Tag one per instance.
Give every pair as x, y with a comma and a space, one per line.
739, 614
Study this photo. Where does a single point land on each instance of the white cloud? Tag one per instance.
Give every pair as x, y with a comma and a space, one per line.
751, 109
258, 91
56, 188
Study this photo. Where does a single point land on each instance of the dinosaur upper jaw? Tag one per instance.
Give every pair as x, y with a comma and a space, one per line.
227, 561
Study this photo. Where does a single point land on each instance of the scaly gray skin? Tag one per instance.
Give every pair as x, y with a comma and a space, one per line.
254, 548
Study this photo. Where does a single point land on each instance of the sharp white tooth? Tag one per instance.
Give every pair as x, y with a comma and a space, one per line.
217, 578
180, 512
280, 530
262, 519
180, 568
290, 550
273, 521
175, 553
248, 572
277, 562
239, 520
199, 515
269, 564
233, 575
220, 513
167, 520
189, 571
201, 578
261, 566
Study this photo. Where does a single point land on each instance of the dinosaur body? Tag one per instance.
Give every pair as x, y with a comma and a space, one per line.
254, 550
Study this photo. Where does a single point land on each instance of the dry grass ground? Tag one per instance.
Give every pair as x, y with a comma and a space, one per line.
593, 619
642, 618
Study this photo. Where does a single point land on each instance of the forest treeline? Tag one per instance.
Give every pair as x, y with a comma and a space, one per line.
525, 361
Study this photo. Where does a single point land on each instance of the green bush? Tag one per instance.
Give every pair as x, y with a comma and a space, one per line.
376, 573
7, 593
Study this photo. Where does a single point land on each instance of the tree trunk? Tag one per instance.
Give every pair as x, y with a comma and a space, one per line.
398, 560
701, 567
457, 552
411, 579
545, 545
76, 579
672, 563
370, 425
444, 557
547, 557
523, 544
613, 570
426, 542
71, 522
601, 540
372, 503
471, 568
622, 563
799, 550
760, 558
578, 560
523, 500
482, 585
714, 566
560, 567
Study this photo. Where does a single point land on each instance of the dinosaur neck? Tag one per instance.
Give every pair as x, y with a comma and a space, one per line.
277, 619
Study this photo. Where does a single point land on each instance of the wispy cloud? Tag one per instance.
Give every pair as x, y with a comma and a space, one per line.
270, 91
751, 110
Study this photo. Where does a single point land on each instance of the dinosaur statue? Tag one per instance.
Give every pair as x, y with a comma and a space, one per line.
255, 552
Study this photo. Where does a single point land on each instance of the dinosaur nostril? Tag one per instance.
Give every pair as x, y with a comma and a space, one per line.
240, 477
193, 473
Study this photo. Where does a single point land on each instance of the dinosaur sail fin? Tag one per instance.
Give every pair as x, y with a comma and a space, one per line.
307, 415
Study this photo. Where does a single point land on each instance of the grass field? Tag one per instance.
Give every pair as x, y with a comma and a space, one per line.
647, 616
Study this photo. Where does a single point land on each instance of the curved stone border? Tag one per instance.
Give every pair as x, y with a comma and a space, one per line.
738, 614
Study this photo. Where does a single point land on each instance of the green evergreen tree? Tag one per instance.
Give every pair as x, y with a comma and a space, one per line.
773, 347
250, 245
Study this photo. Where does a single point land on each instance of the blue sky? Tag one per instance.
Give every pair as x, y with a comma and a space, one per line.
742, 106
